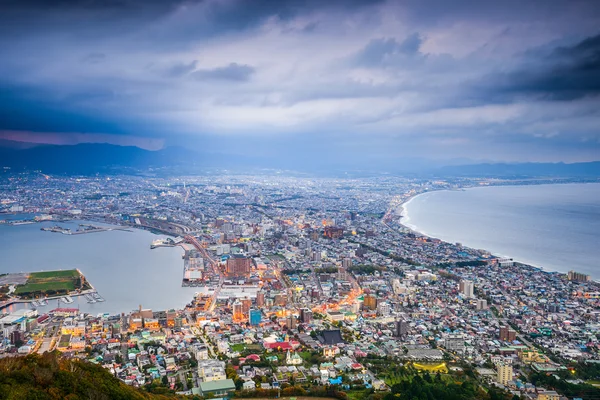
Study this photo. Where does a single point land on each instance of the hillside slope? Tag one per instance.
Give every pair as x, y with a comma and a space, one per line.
50, 377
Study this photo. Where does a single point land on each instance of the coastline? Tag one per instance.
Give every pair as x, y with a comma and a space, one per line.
111, 272
402, 216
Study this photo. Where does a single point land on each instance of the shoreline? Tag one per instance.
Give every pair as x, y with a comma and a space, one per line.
403, 217
115, 302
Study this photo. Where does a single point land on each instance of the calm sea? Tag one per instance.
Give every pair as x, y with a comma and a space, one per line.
120, 265
556, 227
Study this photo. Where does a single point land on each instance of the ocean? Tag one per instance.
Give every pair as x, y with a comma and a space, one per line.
120, 265
555, 227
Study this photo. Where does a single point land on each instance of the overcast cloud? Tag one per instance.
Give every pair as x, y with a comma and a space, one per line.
491, 80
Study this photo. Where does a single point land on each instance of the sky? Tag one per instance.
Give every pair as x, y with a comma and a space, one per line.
365, 81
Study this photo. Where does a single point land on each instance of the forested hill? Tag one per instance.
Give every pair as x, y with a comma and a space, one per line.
51, 377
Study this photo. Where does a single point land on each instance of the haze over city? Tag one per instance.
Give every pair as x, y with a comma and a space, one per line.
379, 81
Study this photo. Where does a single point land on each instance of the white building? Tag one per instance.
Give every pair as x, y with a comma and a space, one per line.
466, 288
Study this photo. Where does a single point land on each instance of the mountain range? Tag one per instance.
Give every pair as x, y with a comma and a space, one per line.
91, 158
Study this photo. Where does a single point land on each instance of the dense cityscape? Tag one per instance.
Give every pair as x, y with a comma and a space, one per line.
306, 286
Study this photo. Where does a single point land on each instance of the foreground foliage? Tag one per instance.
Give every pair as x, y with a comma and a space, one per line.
49, 376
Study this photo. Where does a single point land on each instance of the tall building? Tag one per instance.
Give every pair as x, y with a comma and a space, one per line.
507, 334
237, 310
16, 337
306, 315
481, 304
171, 314
347, 262
246, 304
238, 265
260, 298
370, 302
578, 277
504, 374
316, 256
291, 322
466, 288
401, 328
255, 317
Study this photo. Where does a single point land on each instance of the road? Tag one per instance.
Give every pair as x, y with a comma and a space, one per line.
51, 335
209, 345
215, 267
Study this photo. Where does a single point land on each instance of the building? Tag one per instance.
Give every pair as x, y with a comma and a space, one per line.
384, 308
505, 262
217, 388
291, 322
255, 317
171, 314
246, 304
333, 232
370, 302
401, 328
466, 288
238, 265
481, 304
260, 298
455, 343
578, 277
331, 337
507, 334
280, 299
16, 337
548, 395
237, 310
306, 315
211, 370
504, 374
293, 359
316, 256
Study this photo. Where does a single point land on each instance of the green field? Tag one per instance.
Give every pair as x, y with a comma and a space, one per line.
69, 273
43, 287
49, 283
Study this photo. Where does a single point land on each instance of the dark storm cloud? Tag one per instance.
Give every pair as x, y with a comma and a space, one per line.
388, 76
232, 72
195, 18
567, 73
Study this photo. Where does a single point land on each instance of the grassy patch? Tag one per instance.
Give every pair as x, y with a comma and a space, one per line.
357, 394
239, 347
49, 283
70, 273
45, 286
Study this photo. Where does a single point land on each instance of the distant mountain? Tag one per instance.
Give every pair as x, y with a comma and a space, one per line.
11, 144
523, 170
91, 158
